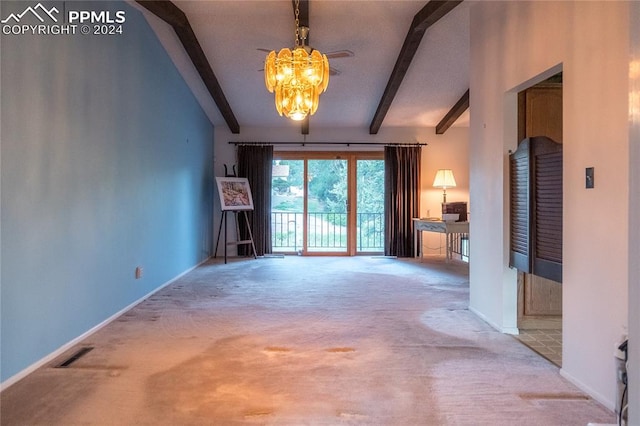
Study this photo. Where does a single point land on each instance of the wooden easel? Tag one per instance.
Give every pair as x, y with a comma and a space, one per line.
223, 220
234, 243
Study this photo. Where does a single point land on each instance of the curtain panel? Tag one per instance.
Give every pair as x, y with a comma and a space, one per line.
255, 163
402, 198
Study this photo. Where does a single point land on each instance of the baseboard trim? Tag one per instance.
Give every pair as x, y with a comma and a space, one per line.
62, 349
505, 330
611, 405
540, 323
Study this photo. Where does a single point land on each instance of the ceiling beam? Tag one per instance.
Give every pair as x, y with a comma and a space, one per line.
458, 109
303, 16
172, 15
427, 16
303, 21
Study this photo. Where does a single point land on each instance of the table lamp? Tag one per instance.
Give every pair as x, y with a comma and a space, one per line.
444, 179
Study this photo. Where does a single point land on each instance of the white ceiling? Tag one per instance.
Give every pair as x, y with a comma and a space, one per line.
230, 31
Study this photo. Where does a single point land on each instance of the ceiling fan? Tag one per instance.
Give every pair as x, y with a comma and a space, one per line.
336, 54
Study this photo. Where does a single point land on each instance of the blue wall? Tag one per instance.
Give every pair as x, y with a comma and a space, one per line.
106, 164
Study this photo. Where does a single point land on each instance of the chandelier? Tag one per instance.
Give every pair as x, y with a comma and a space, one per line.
297, 76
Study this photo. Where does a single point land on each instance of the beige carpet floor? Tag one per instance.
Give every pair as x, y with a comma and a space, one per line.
303, 341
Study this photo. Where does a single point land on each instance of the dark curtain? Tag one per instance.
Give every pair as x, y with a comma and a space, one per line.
402, 183
255, 163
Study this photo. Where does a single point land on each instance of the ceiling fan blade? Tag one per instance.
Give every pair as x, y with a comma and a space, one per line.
332, 71
336, 54
340, 54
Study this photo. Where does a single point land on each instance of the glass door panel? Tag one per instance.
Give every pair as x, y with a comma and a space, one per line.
287, 206
327, 206
370, 206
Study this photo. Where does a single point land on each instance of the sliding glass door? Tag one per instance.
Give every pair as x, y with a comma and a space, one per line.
329, 204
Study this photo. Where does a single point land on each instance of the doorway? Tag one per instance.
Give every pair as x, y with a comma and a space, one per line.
539, 294
325, 203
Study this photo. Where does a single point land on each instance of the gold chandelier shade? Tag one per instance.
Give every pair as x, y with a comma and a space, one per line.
298, 78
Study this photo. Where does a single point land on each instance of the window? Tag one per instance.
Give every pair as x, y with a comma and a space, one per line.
328, 203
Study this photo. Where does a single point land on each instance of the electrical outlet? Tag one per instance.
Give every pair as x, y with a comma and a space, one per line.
139, 272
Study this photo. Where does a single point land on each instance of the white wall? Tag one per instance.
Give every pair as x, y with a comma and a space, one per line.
634, 219
443, 151
448, 151
513, 45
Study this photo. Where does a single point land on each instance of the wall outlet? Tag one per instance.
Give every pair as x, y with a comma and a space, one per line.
139, 272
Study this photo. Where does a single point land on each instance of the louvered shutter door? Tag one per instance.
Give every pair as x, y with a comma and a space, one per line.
520, 232
547, 225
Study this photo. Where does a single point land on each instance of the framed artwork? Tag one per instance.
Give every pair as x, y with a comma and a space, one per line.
235, 193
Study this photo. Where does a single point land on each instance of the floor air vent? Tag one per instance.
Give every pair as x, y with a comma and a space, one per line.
555, 396
76, 356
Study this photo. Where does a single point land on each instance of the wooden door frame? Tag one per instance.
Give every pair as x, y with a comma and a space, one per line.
353, 193
526, 320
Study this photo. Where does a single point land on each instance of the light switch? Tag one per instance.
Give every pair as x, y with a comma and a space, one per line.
589, 179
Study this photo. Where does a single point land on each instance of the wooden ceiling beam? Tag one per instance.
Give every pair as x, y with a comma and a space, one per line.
172, 15
427, 16
303, 21
454, 113
303, 16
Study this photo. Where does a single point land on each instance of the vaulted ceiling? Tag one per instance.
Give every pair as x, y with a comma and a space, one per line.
383, 84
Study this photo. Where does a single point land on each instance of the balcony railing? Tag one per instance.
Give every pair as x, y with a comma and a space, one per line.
286, 231
326, 231
460, 246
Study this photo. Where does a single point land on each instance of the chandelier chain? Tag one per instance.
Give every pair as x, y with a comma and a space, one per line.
297, 23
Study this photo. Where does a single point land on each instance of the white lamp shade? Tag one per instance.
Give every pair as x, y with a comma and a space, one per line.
444, 179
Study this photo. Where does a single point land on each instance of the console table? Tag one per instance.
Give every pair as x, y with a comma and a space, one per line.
431, 225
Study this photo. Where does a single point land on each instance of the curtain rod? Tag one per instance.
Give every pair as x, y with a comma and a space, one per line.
329, 143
